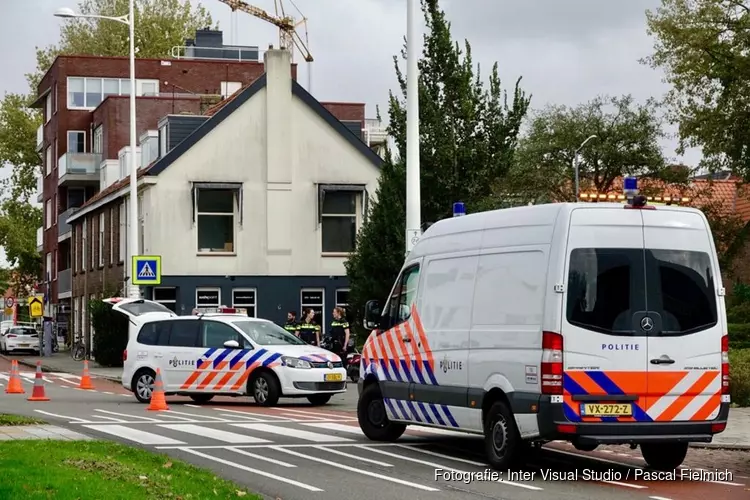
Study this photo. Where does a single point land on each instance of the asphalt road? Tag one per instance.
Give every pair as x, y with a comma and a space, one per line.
298, 452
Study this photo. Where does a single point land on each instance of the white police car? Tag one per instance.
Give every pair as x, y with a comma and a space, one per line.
223, 353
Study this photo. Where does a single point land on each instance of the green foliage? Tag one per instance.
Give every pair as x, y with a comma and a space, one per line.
468, 136
111, 333
702, 46
627, 143
738, 313
739, 376
740, 294
739, 335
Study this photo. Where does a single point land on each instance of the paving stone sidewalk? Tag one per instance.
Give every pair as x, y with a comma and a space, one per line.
16, 432
62, 362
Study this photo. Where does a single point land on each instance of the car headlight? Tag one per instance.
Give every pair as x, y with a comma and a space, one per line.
295, 362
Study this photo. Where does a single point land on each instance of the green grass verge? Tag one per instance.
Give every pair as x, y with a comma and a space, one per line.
8, 420
73, 470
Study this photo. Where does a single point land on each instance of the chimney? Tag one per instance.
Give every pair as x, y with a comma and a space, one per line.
278, 66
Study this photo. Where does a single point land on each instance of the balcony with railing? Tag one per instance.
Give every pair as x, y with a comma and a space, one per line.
40, 138
64, 283
79, 169
64, 231
40, 189
39, 239
376, 133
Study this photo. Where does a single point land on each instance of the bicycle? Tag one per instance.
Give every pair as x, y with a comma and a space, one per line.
78, 350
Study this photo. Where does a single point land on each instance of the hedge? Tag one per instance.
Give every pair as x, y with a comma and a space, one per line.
111, 333
739, 335
739, 375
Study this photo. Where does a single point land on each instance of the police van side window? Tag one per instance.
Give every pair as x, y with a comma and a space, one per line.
214, 334
684, 292
606, 287
184, 334
404, 294
156, 333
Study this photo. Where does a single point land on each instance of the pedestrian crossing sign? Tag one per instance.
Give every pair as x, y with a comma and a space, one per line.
146, 270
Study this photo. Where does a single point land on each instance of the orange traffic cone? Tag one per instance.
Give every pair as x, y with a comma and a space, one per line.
37, 394
86, 378
14, 384
158, 402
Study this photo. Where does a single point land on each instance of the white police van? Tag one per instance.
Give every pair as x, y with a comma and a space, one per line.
224, 354
593, 323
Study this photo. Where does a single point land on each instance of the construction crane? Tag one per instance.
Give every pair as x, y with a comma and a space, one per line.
289, 38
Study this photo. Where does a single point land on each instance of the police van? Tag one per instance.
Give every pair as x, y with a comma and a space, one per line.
593, 323
223, 353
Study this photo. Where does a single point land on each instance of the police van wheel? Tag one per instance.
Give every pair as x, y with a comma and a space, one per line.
502, 441
373, 419
664, 456
265, 389
201, 398
143, 385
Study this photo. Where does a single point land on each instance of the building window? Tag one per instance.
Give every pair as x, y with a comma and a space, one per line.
101, 239
163, 143
111, 235
313, 298
48, 108
55, 264
47, 214
48, 267
245, 298
339, 221
76, 318
76, 141
48, 160
229, 88
87, 93
215, 215
92, 242
84, 241
96, 144
166, 297
123, 232
207, 297
342, 300
57, 99
76, 251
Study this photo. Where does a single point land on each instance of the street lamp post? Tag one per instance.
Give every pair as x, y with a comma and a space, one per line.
129, 20
575, 161
413, 190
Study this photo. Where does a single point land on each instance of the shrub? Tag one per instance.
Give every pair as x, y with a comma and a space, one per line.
739, 313
739, 373
739, 335
111, 331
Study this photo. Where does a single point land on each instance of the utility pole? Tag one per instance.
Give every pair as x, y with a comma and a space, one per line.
413, 201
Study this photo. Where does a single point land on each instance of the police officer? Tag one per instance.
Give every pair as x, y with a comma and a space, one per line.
340, 333
309, 330
291, 325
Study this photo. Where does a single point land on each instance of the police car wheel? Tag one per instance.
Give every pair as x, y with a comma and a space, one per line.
664, 456
373, 419
503, 444
319, 399
143, 385
265, 389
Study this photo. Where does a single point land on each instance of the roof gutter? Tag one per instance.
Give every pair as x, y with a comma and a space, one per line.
120, 193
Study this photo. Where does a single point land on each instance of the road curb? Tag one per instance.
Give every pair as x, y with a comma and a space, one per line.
49, 369
720, 446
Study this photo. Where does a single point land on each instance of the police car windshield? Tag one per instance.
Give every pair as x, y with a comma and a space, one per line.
263, 333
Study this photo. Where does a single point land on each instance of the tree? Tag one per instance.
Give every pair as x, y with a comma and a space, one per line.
159, 26
627, 143
468, 136
702, 45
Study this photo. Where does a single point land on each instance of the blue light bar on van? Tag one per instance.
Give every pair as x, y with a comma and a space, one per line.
459, 209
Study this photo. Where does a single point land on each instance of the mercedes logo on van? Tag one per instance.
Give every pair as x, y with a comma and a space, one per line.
647, 324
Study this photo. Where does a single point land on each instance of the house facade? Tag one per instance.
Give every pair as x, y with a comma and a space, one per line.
257, 207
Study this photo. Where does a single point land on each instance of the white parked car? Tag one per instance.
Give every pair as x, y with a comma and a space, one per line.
222, 354
19, 338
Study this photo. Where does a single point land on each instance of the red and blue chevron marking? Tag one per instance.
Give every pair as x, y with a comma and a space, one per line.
602, 381
417, 411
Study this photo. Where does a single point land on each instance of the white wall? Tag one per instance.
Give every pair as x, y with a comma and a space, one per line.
279, 149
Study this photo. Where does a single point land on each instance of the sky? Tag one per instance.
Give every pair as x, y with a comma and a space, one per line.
567, 52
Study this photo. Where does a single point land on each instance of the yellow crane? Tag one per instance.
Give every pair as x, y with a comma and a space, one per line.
289, 38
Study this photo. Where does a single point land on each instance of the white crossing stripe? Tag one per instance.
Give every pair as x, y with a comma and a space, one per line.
331, 426
135, 435
218, 435
261, 458
292, 433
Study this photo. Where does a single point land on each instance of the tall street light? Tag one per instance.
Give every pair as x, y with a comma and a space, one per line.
575, 160
129, 20
413, 201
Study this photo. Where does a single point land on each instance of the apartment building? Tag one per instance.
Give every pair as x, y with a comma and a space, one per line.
257, 207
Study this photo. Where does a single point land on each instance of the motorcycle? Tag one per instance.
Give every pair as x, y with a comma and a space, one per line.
353, 356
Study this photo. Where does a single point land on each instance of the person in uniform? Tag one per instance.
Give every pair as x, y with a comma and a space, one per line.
340, 333
291, 325
309, 330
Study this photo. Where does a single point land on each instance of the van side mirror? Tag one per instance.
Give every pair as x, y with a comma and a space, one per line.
232, 344
372, 315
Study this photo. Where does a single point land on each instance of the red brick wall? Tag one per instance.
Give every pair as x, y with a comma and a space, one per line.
346, 111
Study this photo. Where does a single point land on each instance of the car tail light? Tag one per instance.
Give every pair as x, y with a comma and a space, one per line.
125, 355
725, 364
719, 427
11, 336
552, 363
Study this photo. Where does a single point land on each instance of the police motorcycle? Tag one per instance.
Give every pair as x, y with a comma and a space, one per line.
353, 356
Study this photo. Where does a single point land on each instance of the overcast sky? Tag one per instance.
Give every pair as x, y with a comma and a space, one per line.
566, 51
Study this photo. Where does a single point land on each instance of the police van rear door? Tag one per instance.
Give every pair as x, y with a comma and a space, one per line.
605, 360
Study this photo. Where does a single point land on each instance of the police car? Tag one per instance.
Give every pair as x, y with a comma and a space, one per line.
222, 353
